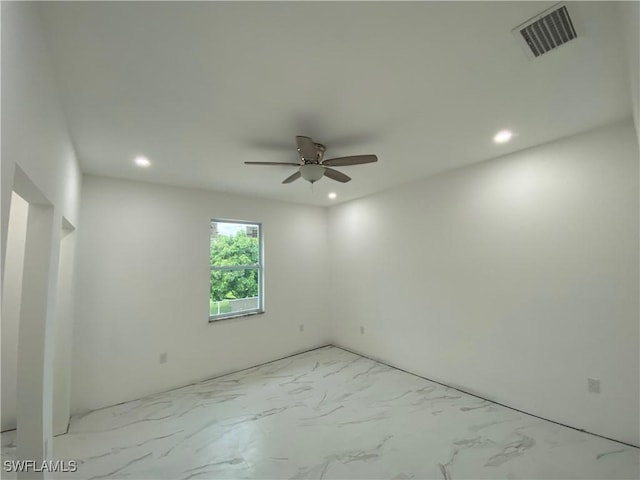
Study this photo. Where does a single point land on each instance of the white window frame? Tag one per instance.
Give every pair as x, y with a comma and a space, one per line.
258, 266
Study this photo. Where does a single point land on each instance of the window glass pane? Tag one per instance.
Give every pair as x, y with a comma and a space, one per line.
233, 291
234, 244
235, 275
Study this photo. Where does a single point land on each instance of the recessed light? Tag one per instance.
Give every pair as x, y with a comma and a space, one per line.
503, 136
142, 162
332, 195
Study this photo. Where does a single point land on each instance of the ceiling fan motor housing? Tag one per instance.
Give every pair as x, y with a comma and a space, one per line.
317, 156
321, 149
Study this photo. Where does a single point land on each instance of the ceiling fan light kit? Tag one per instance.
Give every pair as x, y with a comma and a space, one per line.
313, 167
312, 172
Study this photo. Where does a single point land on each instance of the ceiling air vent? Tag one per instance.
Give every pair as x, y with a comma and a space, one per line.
546, 31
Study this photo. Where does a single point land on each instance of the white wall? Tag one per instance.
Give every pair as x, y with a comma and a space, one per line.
630, 15
143, 289
34, 133
11, 296
516, 279
38, 161
63, 344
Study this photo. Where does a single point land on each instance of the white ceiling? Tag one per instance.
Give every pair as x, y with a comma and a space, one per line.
201, 87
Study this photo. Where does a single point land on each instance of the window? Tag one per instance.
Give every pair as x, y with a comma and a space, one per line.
235, 255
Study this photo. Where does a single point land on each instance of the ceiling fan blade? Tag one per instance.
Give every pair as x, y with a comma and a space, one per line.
354, 160
336, 175
307, 148
273, 163
292, 178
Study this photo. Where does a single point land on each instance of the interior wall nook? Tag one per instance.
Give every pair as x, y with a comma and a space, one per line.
11, 298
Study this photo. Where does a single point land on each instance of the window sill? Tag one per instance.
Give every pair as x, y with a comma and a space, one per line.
238, 315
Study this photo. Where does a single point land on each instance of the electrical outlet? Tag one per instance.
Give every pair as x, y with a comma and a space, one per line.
361, 330
302, 327
163, 357
593, 385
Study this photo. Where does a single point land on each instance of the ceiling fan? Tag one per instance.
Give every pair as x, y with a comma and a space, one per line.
313, 167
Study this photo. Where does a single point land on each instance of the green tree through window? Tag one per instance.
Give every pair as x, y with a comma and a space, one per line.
235, 268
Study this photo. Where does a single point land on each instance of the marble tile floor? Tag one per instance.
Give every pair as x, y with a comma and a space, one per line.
328, 414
